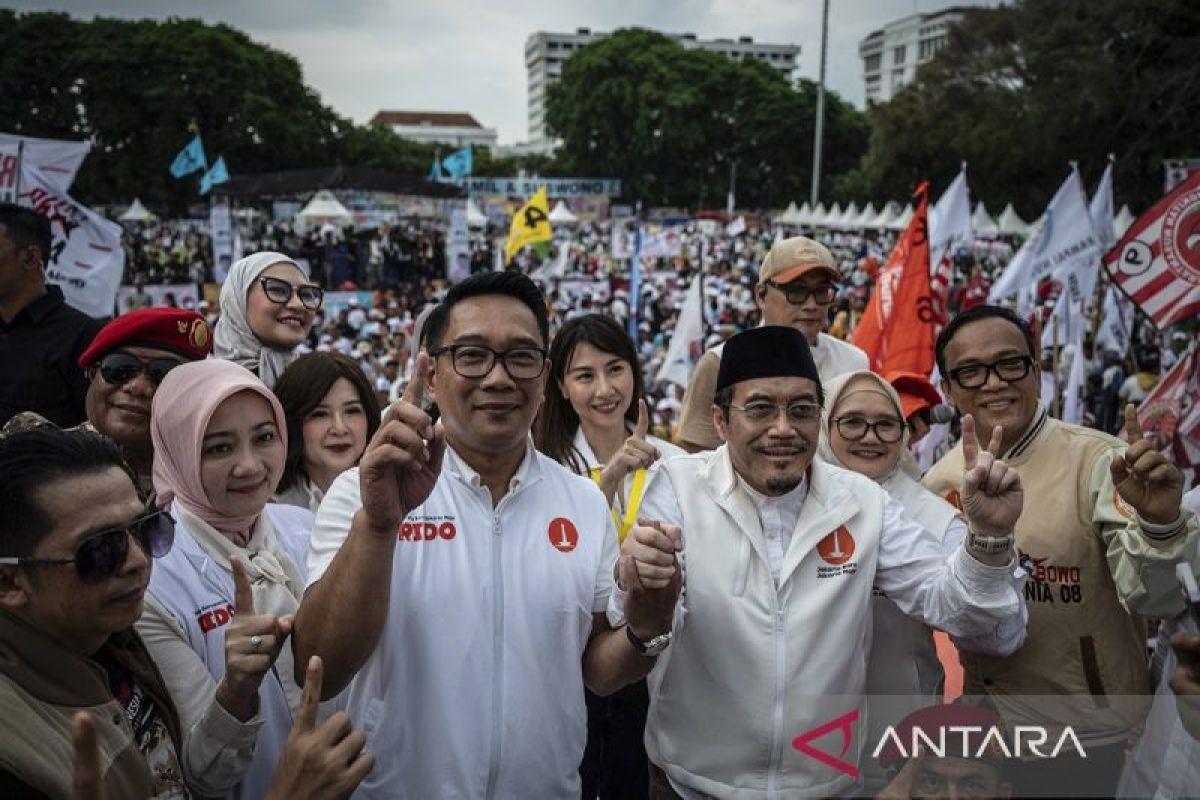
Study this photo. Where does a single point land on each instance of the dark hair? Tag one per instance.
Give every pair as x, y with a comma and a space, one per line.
975, 315
508, 283
33, 459
302, 387
26, 228
556, 423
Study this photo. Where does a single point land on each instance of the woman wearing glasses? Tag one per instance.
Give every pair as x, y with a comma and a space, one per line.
332, 412
863, 430
594, 421
220, 604
267, 309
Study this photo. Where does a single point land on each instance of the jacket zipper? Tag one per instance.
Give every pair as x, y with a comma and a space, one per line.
777, 723
497, 655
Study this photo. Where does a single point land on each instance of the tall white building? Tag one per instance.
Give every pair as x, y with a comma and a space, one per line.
892, 54
545, 53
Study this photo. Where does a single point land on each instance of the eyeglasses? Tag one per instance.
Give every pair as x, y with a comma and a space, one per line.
476, 361
1009, 370
280, 291
101, 555
887, 430
119, 369
760, 412
797, 293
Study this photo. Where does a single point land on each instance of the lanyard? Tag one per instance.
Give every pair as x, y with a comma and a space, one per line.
635, 501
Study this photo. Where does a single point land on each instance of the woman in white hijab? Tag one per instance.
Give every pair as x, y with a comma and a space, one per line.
863, 430
267, 309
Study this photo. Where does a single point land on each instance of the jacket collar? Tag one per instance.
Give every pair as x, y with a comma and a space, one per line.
1036, 432
46, 669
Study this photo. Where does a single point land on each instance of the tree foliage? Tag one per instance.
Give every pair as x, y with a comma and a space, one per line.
669, 121
1021, 90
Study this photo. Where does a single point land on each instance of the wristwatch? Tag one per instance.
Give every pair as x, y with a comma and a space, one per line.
988, 544
649, 648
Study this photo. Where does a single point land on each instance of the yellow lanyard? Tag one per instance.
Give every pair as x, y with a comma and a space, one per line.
635, 501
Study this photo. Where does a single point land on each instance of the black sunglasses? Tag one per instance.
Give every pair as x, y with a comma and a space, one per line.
120, 368
100, 555
280, 291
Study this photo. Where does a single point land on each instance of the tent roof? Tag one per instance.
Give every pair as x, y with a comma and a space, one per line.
901, 222
1122, 221
1010, 223
475, 217
982, 223
137, 213
560, 213
324, 205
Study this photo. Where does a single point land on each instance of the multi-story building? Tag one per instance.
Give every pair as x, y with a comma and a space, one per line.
892, 54
545, 53
456, 129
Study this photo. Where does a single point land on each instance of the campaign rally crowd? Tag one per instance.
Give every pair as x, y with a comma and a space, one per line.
469, 539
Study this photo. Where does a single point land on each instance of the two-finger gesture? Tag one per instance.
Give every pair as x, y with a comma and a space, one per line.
401, 463
991, 493
1144, 478
252, 643
650, 574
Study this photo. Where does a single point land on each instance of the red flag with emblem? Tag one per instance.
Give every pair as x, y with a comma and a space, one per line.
1157, 262
896, 330
1170, 414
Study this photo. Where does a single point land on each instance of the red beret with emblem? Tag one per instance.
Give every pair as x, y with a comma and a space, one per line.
967, 732
175, 329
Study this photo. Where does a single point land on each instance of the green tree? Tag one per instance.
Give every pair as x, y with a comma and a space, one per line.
670, 122
1021, 90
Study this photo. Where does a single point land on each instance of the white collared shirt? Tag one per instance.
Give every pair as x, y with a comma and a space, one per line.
777, 516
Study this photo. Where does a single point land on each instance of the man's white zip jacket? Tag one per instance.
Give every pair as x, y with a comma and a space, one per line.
756, 666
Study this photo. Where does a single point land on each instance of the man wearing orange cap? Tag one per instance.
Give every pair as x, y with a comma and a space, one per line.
797, 283
125, 363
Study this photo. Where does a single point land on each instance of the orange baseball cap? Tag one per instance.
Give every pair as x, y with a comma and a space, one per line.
791, 258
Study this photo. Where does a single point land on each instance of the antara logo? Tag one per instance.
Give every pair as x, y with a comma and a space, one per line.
1028, 740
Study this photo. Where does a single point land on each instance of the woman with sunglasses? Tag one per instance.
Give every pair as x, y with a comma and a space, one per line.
863, 430
220, 605
332, 413
267, 309
594, 420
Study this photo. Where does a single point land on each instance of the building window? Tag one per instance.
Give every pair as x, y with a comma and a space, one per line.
898, 55
872, 62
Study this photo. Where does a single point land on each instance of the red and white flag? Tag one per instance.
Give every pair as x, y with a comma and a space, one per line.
1170, 414
949, 227
1157, 262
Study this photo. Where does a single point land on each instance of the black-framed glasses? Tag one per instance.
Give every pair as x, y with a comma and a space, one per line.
797, 293
280, 291
1009, 370
101, 555
761, 412
476, 361
852, 428
119, 369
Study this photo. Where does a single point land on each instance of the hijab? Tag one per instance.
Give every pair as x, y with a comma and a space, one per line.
835, 390
184, 404
233, 340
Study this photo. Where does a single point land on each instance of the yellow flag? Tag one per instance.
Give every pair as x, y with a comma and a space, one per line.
530, 224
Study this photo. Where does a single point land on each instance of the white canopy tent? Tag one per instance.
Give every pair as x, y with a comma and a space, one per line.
1011, 224
827, 219
901, 222
848, 217
1122, 221
790, 215
324, 209
864, 220
885, 215
137, 213
815, 215
982, 223
475, 217
561, 215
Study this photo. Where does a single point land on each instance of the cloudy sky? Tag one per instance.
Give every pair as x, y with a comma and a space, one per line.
468, 55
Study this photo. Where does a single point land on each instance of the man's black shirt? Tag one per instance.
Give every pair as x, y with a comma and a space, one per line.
38, 351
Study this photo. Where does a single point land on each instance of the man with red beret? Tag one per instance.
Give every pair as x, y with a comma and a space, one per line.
125, 363
969, 764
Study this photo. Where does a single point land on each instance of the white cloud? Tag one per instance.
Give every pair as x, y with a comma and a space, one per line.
468, 55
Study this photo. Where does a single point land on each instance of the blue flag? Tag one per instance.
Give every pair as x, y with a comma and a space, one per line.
218, 174
458, 164
190, 159
435, 171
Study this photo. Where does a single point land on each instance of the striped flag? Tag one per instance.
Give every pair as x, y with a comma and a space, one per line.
1170, 414
1157, 262
949, 227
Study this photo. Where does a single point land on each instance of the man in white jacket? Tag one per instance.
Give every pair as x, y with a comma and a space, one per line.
760, 693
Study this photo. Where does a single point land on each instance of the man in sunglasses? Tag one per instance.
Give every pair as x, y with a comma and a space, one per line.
126, 362
40, 335
797, 283
1100, 536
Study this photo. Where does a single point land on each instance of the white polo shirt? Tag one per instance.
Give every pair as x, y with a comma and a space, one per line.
476, 686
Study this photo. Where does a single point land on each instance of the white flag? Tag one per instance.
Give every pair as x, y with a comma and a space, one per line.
949, 227
687, 340
1116, 322
1063, 238
58, 159
1101, 209
1072, 396
86, 258
736, 227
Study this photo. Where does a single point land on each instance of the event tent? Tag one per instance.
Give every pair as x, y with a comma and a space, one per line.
137, 213
324, 208
475, 217
982, 223
1010, 224
791, 215
901, 222
560, 214
1122, 221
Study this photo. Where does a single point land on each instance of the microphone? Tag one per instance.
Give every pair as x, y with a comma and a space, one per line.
940, 413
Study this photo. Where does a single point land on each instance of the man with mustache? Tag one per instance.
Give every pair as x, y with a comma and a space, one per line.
780, 553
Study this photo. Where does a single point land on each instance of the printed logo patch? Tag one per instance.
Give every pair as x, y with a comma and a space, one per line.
562, 534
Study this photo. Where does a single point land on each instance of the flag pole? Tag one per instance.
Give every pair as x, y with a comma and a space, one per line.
20, 167
820, 126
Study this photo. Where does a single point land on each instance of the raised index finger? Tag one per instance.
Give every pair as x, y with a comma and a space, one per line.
1133, 428
970, 442
243, 592
994, 443
414, 392
643, 420
310, 697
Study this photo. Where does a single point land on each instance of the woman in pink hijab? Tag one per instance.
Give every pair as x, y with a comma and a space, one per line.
219, 611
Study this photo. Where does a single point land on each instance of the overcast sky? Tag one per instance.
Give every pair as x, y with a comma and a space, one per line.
468, 55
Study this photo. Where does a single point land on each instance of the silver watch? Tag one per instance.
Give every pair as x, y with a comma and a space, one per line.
988, 545
653, 646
